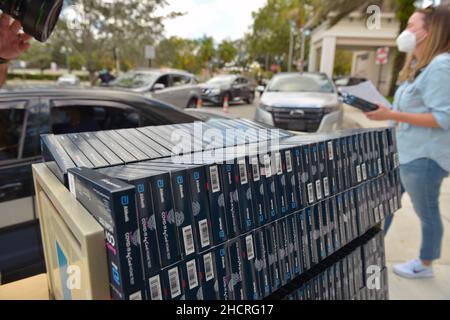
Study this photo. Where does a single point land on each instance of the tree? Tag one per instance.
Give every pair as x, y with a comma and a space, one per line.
94, 28
226, 52
206, 52
38, 56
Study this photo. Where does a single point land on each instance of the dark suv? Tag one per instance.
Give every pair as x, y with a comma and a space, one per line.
234, 87
24, 116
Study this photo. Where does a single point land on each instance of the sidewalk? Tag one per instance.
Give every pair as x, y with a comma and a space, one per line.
403, 242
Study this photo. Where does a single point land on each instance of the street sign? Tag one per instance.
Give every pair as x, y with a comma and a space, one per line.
150, 52
382, 56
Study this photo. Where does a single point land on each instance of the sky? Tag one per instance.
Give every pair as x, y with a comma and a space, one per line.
221, 19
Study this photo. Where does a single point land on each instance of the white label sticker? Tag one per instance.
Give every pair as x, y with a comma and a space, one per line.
174, 282
380, 168
250, 247
255, 169
192, 274
364, 171
326, 186
215, 182
318, 190
330, 151
288, 161
72, 188
188, 239
136, 296
267, 166
310, 193
358, 173
204, 233
243, 172
278, 165
209, 269
155, 288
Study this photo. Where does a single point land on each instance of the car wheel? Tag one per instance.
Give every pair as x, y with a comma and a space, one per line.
192, 104
251, 98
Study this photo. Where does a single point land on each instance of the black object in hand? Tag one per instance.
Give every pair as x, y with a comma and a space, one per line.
361, 104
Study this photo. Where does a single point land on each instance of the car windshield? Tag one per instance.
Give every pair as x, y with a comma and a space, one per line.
135, 80
301, 83
221, 80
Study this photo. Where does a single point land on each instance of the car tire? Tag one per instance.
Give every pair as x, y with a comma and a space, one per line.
250, 98
192, 104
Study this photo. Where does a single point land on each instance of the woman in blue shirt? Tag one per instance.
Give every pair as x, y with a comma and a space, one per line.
422, 114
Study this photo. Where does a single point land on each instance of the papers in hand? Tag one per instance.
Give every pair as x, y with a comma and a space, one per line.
367, 91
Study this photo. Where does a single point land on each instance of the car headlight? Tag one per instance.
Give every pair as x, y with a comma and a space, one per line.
266, 107
214, 91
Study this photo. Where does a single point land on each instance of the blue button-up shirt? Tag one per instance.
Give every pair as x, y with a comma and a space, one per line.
429, 93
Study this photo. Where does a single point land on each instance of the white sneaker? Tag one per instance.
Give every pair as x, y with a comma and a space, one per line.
414, 269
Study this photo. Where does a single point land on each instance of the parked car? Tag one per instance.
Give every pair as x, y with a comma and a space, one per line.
25, 114
348, 81
305, 102
69, 80
233, 87
174, 87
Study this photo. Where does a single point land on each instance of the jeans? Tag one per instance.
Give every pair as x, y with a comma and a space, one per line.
422, 180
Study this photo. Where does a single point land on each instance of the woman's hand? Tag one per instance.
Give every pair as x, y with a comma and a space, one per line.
382, 114
12, 42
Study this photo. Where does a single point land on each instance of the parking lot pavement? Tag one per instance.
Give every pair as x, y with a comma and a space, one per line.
238, 109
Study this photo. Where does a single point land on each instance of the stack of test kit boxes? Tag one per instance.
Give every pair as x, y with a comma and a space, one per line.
232, 222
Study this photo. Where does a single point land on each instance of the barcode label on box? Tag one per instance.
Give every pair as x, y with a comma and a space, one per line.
72, 189
318, 190
192, 274
310, 193
358, 173
188, 239
215, 182
330, 151
255, 169
204, 233
278, 165
155, 288
267, 166
364, 171
326, 186
136, 296
209, 269
250, 247
174, 283
288, 161
380, 168
243, 172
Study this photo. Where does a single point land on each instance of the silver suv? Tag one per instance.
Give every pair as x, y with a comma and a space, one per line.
175, 87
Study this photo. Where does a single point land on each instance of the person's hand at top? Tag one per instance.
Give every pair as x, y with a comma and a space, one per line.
13, 42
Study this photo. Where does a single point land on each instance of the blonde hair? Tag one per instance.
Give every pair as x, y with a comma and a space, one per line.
437, 24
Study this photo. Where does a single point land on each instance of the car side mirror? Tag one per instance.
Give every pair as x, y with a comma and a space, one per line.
158, 87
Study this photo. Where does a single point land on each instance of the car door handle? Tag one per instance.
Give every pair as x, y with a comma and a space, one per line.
15, 185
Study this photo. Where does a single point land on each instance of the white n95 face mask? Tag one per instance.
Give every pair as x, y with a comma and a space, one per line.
406, 41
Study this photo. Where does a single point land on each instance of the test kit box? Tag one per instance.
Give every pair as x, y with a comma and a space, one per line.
116, 148
112, 158
197, 182
318, 231
244, 188
223, 275
171, 282
323, 169
90, 153
74, 152
261, 214
56, 157
316, 172
304, 240
208, 275
231, 196
271, 238
280, 183
294, 244
268, 182
112, 203
182, 206
236, 283
250, 266
151, 259
284, 257
291, 182
190, 275
312, 235
262, 268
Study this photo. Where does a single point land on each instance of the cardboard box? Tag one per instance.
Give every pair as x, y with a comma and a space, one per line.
112, 203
